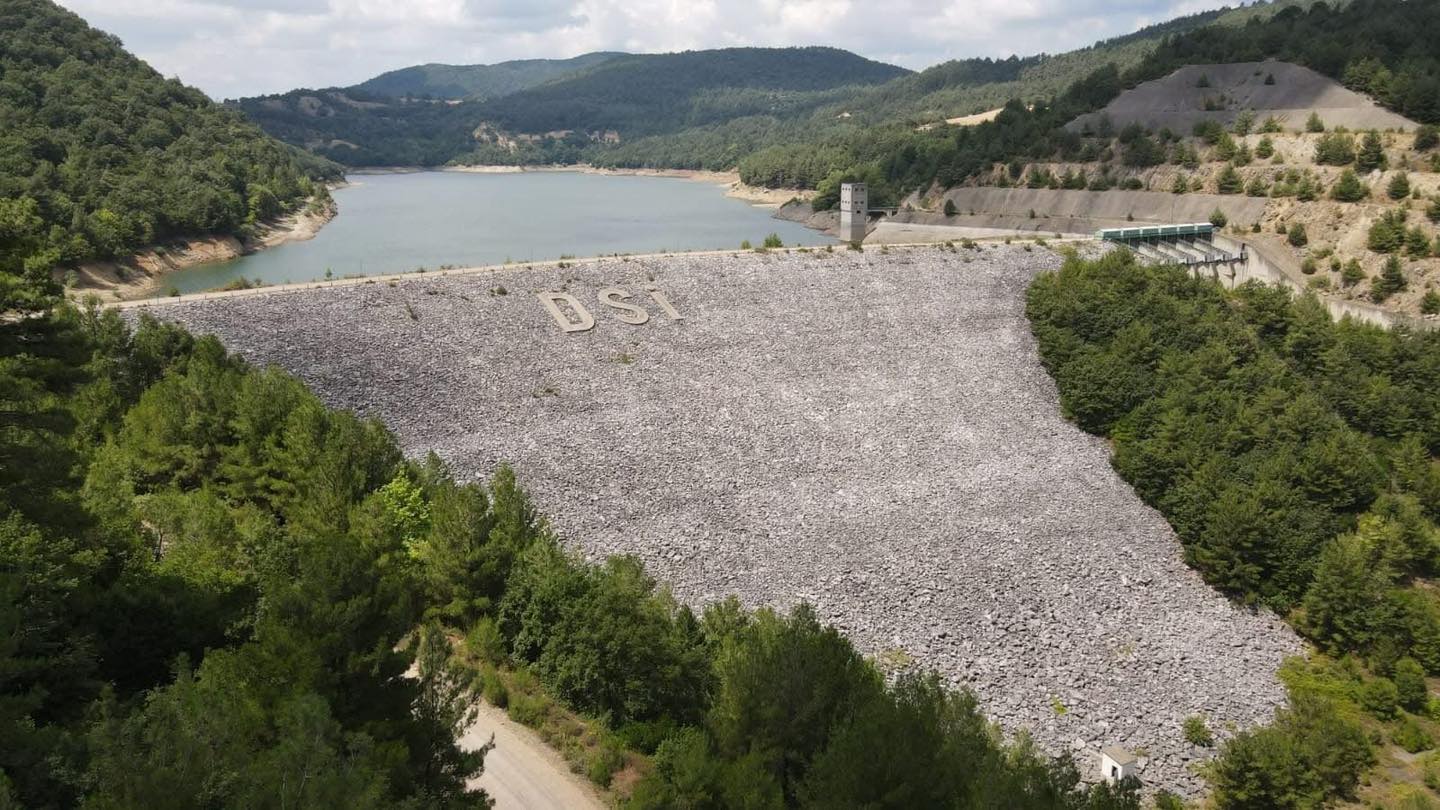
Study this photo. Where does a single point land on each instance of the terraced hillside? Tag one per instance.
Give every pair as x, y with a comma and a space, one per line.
870, 432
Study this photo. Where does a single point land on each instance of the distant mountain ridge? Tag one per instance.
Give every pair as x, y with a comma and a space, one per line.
596, 98
454, 82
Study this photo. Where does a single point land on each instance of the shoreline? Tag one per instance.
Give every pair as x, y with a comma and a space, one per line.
730, 181
141, 275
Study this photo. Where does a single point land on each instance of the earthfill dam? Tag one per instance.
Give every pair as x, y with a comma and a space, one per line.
871, 432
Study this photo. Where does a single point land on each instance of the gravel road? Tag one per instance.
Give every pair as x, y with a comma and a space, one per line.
521, 771
872, 432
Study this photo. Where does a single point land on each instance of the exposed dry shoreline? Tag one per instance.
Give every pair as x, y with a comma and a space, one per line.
141, 275
730, 181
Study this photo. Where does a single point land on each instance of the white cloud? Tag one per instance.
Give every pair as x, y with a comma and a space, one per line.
235, 48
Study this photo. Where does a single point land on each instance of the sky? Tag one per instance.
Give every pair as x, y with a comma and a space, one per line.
234, 48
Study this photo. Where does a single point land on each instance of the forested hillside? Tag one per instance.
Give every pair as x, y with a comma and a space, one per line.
1296, 458
645, 94
631, 95
101, 156
474, 81
1356, 43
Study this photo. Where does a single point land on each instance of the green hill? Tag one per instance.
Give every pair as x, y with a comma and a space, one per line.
645, 94
100, 155
475, 81
631, 95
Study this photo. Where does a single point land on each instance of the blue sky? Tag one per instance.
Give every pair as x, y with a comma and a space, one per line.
231, 48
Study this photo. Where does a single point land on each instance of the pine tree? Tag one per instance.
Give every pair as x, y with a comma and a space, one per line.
1399, 187
1372, 153
1349, 188
1417, 244
1430, 303
1314, 124
1265, 149
1229, 181
1391, 281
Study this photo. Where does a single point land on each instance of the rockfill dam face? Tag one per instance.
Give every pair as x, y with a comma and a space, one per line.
870, 432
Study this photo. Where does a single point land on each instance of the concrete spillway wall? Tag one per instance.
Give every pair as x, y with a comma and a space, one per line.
1262, 264
1060, 211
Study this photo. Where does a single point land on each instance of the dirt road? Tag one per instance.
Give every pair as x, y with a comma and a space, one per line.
521, 772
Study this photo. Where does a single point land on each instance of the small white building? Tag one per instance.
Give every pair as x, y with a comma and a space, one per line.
1116, 764
854, 211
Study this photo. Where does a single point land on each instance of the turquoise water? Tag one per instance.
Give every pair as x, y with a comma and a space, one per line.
400, 222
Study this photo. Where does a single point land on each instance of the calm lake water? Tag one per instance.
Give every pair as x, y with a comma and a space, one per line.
398, 222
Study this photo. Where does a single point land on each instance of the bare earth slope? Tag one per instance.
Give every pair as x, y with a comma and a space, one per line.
870, 432
1179, 100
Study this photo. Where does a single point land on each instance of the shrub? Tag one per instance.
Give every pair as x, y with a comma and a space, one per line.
492, 687
1296, 235
484, 640
1409, 735
1430, 767
1197, 732
1410, 684
1314, 124
1430, 303
745, 244
1379, 697
1308, 267
1427, 137
1165, 800
1352, 274
950, 209
1218, 218
528, 710
773, 241
1266, 148
603, 762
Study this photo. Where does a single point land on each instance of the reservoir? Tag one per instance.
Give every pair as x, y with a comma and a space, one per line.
392, 223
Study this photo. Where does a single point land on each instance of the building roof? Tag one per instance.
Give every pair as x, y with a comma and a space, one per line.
1118, 755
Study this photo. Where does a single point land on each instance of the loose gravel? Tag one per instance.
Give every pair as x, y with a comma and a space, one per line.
870, 432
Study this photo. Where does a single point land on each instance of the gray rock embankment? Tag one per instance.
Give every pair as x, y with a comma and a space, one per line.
871, 432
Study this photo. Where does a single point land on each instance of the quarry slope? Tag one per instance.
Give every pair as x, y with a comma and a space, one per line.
1220, 92
872, 432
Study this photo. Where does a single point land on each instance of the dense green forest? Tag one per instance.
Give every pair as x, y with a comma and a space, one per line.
646, 94
1294, 455
101, 156
474, 81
